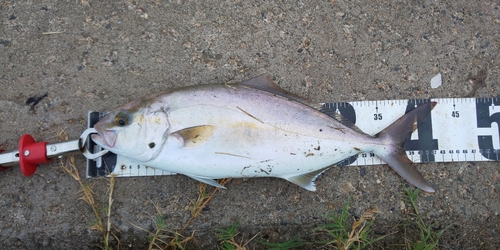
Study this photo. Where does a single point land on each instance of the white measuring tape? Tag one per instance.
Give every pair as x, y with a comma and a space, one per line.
458, 129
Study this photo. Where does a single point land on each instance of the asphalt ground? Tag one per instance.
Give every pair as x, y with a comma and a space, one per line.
97, 55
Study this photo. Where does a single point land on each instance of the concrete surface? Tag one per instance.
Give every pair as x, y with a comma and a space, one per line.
110, 52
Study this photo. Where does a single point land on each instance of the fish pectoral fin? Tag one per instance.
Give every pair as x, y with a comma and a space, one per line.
195, 136
307, 180
211, 182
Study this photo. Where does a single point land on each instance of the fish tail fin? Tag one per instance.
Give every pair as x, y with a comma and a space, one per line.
393, 153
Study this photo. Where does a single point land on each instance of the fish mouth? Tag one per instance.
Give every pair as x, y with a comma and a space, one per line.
106, 139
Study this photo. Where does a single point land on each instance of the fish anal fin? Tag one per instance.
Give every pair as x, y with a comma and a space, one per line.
195, 136
307, 180
208, 181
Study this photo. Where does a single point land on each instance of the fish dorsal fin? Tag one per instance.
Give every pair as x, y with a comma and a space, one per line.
307, 180
346, 122
195, 136
208, 181
265, 83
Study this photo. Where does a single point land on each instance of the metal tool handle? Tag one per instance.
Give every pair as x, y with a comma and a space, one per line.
32, 153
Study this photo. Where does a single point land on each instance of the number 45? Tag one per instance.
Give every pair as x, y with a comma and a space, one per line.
455, 114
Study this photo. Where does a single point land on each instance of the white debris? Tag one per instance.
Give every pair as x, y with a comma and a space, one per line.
436, 81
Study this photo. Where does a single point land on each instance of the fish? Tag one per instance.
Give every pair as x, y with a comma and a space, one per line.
249, 129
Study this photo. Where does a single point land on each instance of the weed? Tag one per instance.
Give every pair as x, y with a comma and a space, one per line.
293, 243
428, 238
343, 236
88, 196
160, 225
165, 238
227, 238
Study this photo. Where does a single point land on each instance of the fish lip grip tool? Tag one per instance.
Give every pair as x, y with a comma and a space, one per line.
31, 153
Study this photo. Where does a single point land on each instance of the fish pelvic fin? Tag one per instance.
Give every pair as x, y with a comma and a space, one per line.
306, 180
393, 153
208, 181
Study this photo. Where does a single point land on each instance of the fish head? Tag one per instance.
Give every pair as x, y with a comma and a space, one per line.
137, 130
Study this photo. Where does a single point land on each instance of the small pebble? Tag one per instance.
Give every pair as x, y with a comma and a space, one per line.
362, 172
436, 81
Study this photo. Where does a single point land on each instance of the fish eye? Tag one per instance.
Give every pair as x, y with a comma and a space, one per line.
121, 119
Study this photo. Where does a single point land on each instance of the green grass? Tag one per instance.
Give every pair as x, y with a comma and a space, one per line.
228, 241
428, 237
341, 234
344, 235
291, 244
227, 238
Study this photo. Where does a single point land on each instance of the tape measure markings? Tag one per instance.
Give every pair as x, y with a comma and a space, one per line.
458, 129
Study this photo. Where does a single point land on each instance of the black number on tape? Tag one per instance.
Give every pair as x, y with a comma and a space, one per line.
484, 120
377, 116
425, 140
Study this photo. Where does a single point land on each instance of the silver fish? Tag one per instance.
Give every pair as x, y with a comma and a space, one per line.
250, 129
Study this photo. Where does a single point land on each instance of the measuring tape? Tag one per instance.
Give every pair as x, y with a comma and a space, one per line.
458, 129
